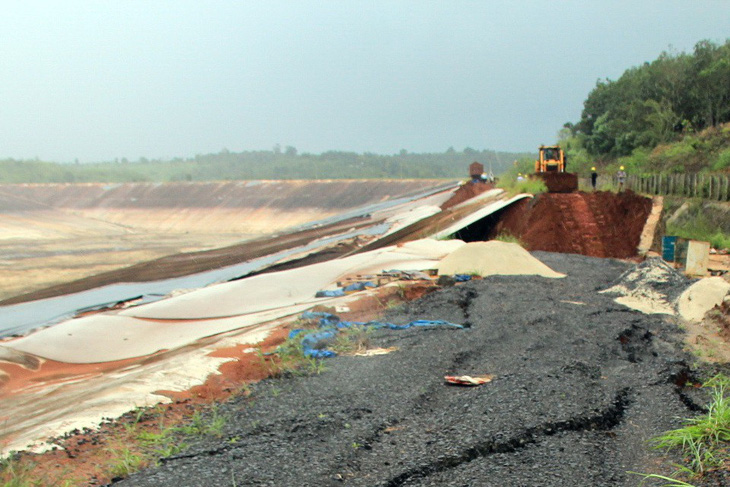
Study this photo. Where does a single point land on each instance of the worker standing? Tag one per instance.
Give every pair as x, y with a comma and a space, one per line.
594, 178
621, 177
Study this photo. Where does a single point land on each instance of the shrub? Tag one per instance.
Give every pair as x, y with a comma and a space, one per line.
723, 161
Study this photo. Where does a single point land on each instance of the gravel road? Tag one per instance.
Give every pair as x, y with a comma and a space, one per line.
581, 383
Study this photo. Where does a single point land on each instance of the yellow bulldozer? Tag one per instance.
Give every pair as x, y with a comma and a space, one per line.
551, 168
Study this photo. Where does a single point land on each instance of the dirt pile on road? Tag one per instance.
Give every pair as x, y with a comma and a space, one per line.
600, 224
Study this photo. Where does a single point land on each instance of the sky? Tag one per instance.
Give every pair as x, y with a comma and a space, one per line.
102, 80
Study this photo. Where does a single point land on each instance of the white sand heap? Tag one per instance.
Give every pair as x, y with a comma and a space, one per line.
701, 297
656, 287
494, 258
651, 287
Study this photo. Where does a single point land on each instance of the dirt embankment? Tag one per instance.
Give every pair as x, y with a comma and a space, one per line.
600, 224
466, 192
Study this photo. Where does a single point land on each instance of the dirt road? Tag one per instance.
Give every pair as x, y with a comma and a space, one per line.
581, 383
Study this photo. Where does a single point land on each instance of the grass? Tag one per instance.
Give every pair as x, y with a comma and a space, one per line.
133, 447
352, 340
509, 238
700, 225
125, 462
528, 185
289, 360
670, 482
704, 441
205, 425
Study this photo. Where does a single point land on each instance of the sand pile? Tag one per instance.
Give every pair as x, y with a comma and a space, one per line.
651, 287
656, 287
494, 258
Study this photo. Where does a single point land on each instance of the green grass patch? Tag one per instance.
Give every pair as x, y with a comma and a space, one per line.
704, 441
528, 185
700, 228
289, 360
509, 238
352, 340
201, 424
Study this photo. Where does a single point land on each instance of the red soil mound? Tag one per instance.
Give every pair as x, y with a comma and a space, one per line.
559, 182
465, 192
600, 224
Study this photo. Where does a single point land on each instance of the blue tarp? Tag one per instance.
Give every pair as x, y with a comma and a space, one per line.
354, 287
330, 324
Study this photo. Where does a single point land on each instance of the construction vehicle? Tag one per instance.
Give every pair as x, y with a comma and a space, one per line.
551, 167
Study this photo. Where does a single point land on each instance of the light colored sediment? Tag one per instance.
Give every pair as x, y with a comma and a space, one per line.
650, 227
494, 258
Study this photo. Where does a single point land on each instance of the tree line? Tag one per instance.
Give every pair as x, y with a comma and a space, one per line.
273, 164
642, 119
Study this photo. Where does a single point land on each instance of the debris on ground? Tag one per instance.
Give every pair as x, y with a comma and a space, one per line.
468, 380
314, 342
651, 287
342, 291
371, 352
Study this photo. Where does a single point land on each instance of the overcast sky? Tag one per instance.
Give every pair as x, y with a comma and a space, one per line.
98, 80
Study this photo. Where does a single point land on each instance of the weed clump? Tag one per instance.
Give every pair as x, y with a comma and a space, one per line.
704, 442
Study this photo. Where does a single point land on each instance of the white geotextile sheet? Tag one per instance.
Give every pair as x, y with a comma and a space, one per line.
285, 288
183, 319
479, 214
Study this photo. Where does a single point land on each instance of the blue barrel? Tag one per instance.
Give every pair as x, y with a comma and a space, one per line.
669, 248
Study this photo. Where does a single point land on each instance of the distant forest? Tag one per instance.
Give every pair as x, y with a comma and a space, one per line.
278, 163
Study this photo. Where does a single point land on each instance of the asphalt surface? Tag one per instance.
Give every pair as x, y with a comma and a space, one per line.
581, 383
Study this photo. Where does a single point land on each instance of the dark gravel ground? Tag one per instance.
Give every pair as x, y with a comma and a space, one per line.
581, 384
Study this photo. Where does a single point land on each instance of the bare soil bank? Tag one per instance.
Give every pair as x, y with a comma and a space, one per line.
581, 383
599, 224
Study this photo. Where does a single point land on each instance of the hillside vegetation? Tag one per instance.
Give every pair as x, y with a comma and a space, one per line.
274, 164
670, 115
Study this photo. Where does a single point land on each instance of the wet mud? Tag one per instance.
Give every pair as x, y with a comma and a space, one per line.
581, 383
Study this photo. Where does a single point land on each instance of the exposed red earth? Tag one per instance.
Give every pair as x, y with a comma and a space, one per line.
599, 224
